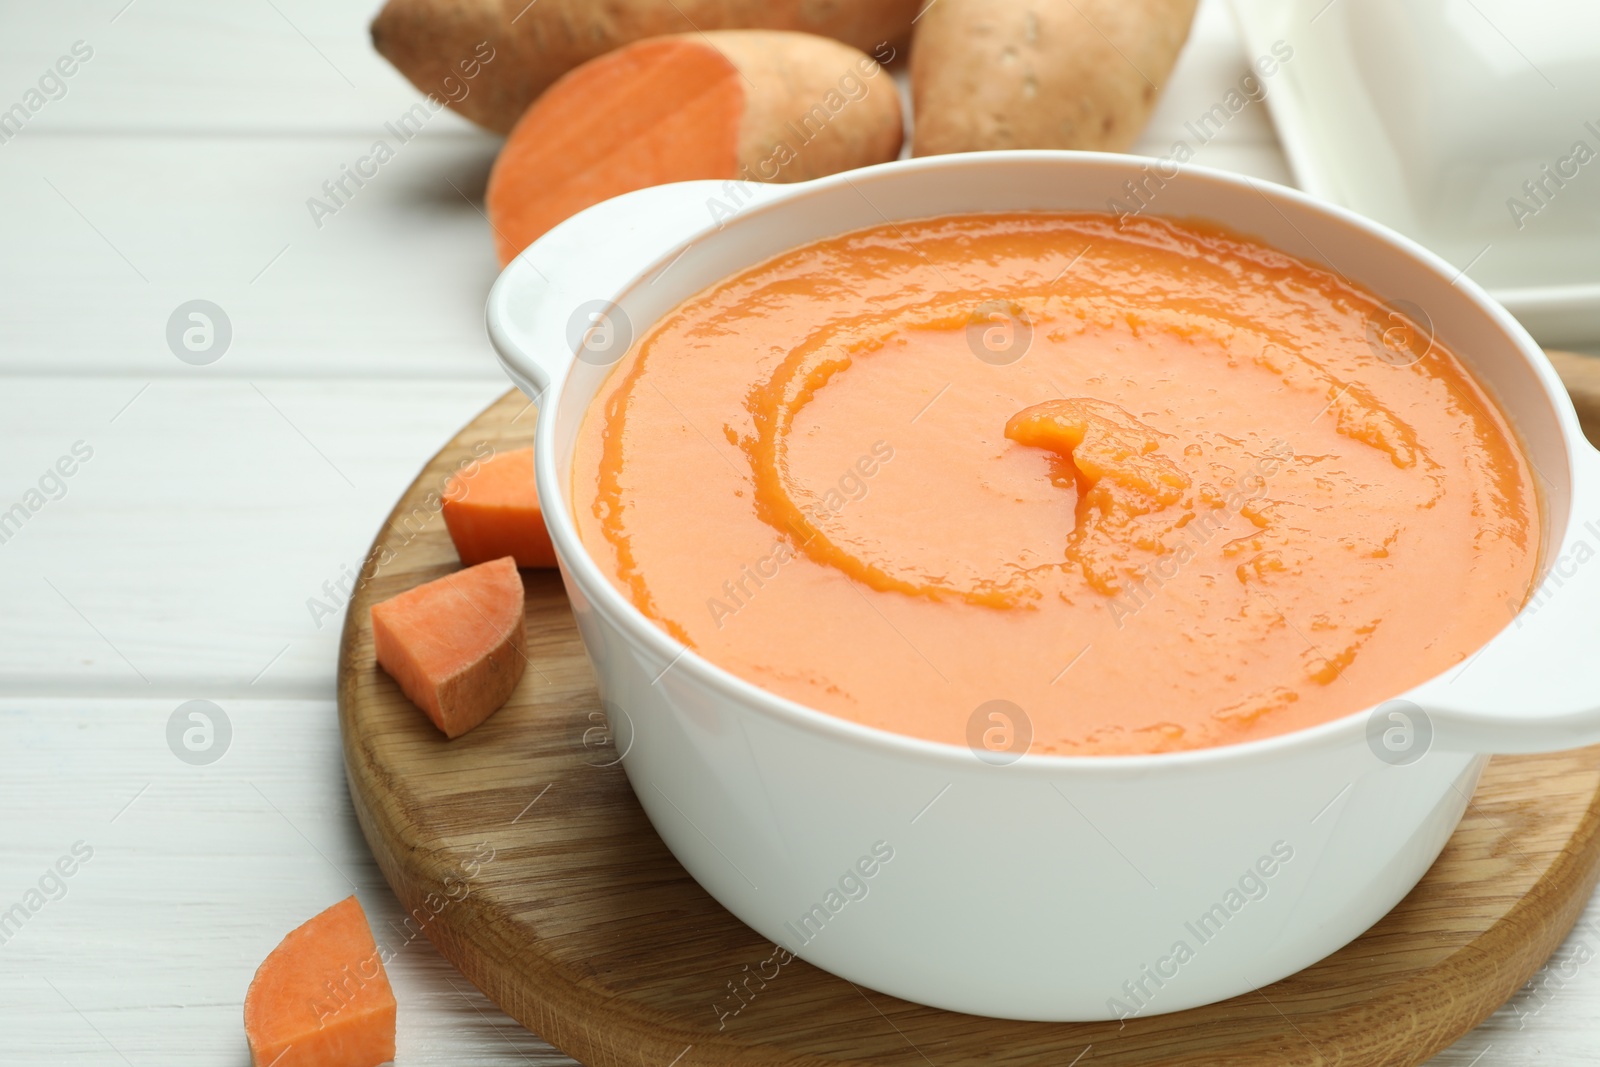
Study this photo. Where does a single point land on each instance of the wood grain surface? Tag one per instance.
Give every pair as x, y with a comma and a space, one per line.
1582, 377
519, 849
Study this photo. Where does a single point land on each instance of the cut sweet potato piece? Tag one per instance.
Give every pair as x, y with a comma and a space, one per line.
321, 998
756, 105
493, 511
456, 646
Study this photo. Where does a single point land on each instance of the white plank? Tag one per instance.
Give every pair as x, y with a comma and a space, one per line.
171, 66
181, 557
196, 873
106, 237
109, 237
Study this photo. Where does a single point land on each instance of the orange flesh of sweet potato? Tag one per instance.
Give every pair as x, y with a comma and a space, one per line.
494, 511
457, 645
321, 998
662, 110
758, 105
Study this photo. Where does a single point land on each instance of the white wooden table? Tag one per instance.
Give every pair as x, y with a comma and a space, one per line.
178, 560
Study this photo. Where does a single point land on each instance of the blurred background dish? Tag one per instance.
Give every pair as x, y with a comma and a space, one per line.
1472, 126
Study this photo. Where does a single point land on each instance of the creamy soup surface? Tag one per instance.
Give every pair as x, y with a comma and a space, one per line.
1045, 482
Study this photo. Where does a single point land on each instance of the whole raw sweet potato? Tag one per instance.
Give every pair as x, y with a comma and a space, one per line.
991, 74
534, 43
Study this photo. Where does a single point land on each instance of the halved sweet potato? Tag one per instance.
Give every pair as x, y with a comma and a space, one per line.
755, 105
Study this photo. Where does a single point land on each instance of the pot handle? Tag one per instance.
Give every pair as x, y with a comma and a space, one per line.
1535, 687
556, 296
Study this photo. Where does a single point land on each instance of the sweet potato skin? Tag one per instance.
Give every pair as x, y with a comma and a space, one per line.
468, 698
813, 106
534, 44
998, 74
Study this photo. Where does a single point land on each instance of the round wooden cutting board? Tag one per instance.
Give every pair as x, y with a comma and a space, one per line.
519, 849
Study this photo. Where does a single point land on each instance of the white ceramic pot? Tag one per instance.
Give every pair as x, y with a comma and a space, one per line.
1052, 888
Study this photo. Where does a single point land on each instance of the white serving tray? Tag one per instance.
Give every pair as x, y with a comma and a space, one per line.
1429, 116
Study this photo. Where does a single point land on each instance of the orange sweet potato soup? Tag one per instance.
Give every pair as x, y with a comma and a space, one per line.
1153, 484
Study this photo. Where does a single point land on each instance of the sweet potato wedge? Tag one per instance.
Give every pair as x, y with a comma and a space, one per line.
457, 646
321, 998
493, 511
